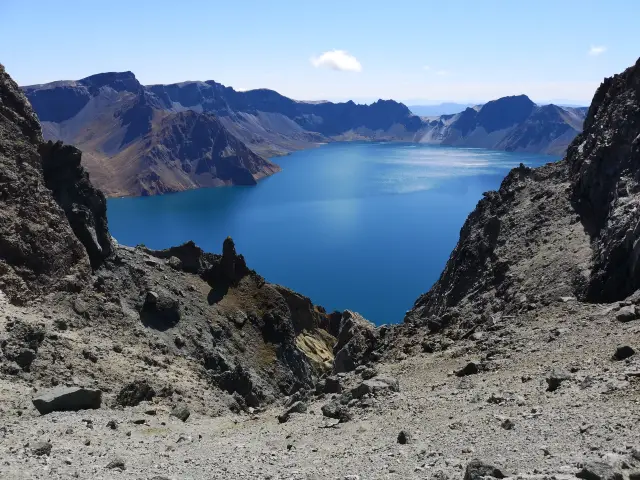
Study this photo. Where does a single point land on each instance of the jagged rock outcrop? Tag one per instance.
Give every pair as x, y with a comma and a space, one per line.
38, 249
83, 204
605, 169
568, 229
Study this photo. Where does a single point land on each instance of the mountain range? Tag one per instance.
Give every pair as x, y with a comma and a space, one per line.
146, 140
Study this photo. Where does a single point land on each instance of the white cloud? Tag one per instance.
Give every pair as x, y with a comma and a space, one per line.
337, 60
595, 51
426, 67
442, 73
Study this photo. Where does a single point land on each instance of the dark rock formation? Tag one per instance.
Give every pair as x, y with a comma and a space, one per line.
38, 250
605, 169
67, 399
83, 204
356, 341
477, 470
135, 392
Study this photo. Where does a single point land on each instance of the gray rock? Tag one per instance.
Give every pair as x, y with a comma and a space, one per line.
135, 392
404, 437
598, 471
555, 379
297, 407
623, 352
337, 411
332, 385
41, 448
356, 341
478, 469
116, 463
375, 386
470, 368
626, 314
67, 399
181, 412
112, 424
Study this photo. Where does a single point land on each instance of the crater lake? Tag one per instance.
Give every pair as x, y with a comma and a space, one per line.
360, 226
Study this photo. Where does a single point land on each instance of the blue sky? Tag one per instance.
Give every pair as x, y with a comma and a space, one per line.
410, 51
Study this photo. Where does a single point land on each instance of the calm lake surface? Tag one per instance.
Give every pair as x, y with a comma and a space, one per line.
363, 226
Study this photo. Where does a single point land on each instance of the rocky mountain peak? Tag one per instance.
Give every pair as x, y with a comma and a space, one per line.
119, 81
605, 168
505, 112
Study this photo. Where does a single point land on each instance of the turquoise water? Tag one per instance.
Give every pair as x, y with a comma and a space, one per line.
363, 226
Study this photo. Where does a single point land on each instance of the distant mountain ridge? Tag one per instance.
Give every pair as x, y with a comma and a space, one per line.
146, 140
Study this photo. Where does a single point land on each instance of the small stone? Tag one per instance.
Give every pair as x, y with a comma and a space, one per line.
470, 368
623, 352
404, 437
112, 424
477, 470
116, 463
181, 412
332, 385
507, 424
337, 411
87, 442
555, 380
284, 418
117, 348
297, 407
139, 421
41, 448
179, 341
151, 412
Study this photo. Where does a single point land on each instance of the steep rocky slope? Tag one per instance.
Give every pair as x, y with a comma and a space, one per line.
566, 229
514, 124
146, 140
133, 146
167, 317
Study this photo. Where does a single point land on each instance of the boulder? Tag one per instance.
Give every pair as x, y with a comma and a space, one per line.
623, 352
135, 392
477, 470
598, 471
181, 412
160, 310
470, 368
555, 379
67, 399
41, 448
375, 386
337, 411
332, 385
626, 314
404, 437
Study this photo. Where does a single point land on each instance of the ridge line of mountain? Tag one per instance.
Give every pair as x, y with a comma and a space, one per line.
137, 142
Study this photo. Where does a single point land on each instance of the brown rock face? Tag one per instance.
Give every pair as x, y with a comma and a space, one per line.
38, 249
